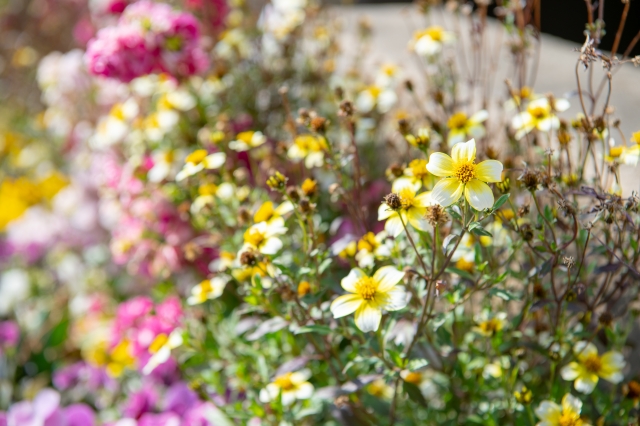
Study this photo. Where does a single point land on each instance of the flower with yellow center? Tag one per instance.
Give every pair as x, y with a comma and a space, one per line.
429, 42
119, 359
289, 386
311, 148
636, 138
161, 348
372, 247
368, 296
567, 414
490, 325
199, 160
590, 366
539, 115
375, 97
262, 237
462, 175
115, 126
267, 213
624, 155
247, 140
462, 127
417, 173
207, 290
524, 94
412, 211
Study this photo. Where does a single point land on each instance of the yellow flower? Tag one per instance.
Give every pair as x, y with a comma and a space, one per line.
120, 359
590, 367
207, 290
266, 212
199, 160
417, 173
636, 138
429, 42
539, 115
311, 148
371, 247
624, 155
462, 175
412, 211
247, 140
567, 414
461, 127
262, 237
369, 296
348, 251
490, 325
309, 187
290, 386
161, 348
304, 288
422, 140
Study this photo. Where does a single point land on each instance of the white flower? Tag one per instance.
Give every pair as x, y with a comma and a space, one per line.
247, 140
207, 290
161, 349
200, 160
290, 386
262, 237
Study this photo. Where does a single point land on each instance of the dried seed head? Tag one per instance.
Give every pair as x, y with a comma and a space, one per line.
244, 216
394, 171
527, 232
530, 179
408, 84
393, 201
248, 258
523, 210
303, 116
293, 193
492, 153
569, 261
566, 207
346, 109
404, 126
306, 206
633, 388
319, 124
606, 319
436, 215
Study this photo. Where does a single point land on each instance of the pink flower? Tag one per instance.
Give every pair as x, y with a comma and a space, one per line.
120, 52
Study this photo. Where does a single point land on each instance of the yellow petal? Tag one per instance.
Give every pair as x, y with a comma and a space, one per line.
489, 171
464, 152
440, 164
447, 191
478, 194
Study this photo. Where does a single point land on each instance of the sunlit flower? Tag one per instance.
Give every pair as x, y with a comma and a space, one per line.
429, 42
369, 296
207, 290
462, 175
462, 127
247, 140
266, 271
161, 348
262, 237
540, 115
387, 75
628, 155
412, 210
311, 148
567, 414
267, 213
115, 126
488, 325
590, 366
289, 386
372, 247
524, 94
417, 173
375, 97
199, 160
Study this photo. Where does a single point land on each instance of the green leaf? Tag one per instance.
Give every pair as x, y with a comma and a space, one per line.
477, 229
503, 199
503, 294
460, 272
320, 329
414, 393
396, 357
416, 364
324, 265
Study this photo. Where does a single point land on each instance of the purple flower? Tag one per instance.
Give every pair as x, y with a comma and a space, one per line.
9, 334
180, 399
45, 410
141, 402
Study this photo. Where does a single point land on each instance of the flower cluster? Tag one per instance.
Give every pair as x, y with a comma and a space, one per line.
149, 38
